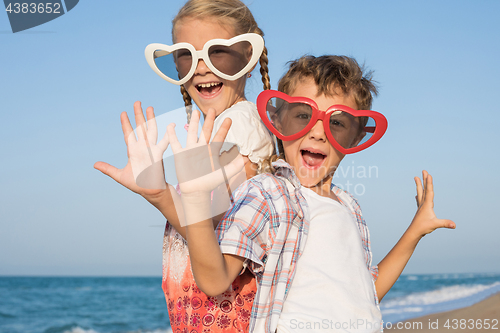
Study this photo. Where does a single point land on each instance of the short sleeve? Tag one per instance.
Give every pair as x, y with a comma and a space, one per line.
374, 272
244, 229
247, 131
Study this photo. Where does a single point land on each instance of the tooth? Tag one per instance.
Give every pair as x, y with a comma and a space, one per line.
208, 85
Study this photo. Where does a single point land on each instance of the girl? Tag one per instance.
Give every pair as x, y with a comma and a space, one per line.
214, 81
303, 238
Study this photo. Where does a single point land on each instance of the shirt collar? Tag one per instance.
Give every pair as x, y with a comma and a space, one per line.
283, 169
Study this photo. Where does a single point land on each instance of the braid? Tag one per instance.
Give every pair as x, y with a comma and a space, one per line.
264, 70
187, 102
185, 96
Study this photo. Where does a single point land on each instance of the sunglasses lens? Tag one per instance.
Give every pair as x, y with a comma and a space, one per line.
288, 118
175, 65
230, 60
350, 131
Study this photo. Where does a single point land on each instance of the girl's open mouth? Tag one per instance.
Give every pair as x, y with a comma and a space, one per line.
209, 89
312, 159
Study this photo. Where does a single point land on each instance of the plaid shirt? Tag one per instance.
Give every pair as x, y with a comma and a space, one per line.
268, 224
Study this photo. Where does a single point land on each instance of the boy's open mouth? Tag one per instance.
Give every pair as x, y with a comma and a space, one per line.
209, 88
312, 159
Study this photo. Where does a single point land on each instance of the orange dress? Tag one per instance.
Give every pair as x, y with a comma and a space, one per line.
192, 311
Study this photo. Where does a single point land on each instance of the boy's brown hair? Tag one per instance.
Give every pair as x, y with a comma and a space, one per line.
331, 73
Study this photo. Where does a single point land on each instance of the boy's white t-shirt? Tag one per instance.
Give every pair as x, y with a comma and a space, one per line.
332, 290
247, 131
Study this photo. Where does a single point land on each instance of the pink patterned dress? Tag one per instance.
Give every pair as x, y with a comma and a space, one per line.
189, 309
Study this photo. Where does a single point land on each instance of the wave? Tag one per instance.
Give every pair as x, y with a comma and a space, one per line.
6, 315
73, 328
82, 330
439, 300
79, 330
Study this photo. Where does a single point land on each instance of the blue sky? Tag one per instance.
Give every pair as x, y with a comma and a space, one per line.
64, 84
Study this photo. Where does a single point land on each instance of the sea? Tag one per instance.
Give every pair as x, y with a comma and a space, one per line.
137, 304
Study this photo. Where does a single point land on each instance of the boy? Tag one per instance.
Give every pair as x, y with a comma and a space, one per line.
293, 229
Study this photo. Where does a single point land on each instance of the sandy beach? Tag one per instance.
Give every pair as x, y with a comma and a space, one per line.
480, 317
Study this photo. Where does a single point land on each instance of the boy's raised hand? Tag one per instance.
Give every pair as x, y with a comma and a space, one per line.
144, 172
425, 220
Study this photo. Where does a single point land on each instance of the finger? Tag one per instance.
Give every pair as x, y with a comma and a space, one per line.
192, 136
140, 121
447, 224
164, 142
208, 125
420, 191
234, 166
151, 124
228, 155
424, 183
429, 191
108, 170
174, 142
139, 116
128, 131
221, 134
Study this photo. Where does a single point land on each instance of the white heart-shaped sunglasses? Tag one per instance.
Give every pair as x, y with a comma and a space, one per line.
229, 59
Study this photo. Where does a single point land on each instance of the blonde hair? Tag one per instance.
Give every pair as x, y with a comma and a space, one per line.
228, 12
329, 73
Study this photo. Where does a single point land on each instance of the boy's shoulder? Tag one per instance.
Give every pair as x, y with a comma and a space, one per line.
283, 175
264, 187
267, 181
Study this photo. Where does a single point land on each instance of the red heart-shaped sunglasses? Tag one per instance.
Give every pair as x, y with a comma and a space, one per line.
347, 129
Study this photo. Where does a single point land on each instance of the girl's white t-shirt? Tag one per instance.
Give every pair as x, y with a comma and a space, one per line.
332, 290
247, 131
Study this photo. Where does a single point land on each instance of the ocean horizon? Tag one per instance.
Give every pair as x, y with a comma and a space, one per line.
70, 304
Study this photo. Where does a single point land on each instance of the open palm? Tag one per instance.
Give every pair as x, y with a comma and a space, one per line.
425, 220
144, 172
199, 170
198, 165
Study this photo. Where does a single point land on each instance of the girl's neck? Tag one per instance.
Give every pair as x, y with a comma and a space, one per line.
242, 99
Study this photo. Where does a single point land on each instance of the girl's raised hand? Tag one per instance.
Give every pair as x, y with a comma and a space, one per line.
198, 166
425, 220
144, 172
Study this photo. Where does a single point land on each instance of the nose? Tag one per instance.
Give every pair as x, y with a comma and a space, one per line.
317, 132
201, 68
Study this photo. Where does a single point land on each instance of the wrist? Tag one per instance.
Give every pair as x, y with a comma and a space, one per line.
413, 235
157, 198
197, 207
